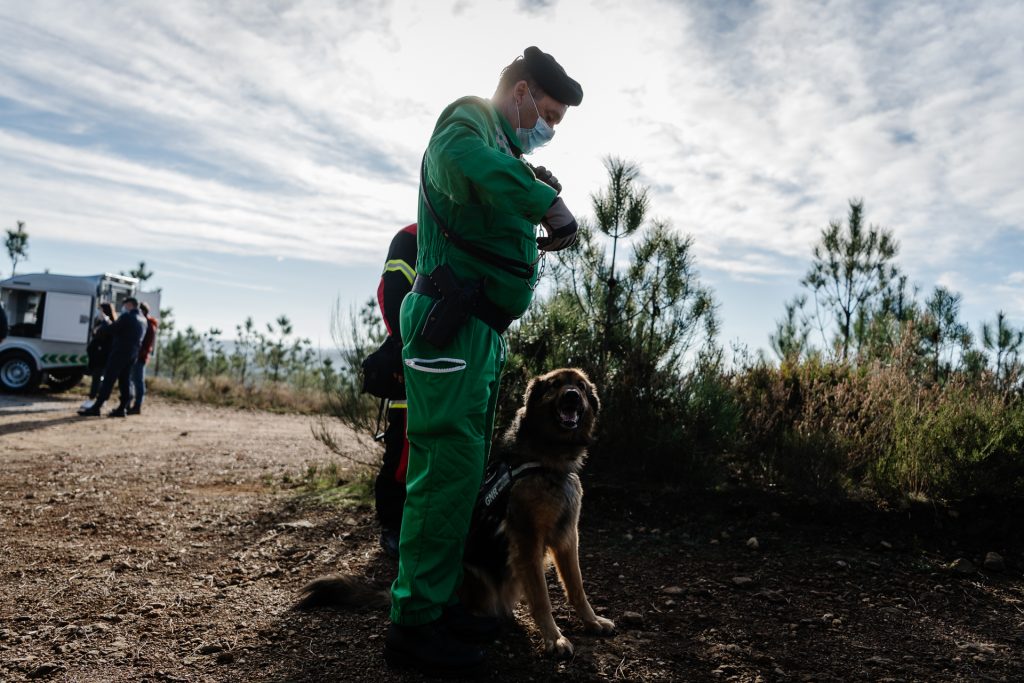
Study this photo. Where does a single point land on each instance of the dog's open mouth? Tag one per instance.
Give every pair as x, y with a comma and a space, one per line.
570, 409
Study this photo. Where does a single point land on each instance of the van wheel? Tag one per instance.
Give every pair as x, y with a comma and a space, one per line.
62, 380
18, 373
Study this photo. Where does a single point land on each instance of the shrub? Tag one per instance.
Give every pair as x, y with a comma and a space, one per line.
799, 421
955, 442
826, 429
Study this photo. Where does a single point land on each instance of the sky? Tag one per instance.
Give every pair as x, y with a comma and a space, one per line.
259, 156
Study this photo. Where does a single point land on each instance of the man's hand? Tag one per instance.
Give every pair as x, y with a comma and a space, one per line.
560, 226
546, 177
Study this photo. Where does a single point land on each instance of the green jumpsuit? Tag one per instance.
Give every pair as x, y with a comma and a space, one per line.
486, 194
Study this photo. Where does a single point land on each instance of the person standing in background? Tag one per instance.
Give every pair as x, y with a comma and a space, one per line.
128, 331
98, 350
389, 487
138, 375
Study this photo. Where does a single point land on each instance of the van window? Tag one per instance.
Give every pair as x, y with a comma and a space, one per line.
115, 293
24, 312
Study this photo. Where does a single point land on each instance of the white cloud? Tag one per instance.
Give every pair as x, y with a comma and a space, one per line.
1010, 295
951, 280
295, 129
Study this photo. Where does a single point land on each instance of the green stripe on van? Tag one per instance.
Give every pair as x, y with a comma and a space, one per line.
64, 359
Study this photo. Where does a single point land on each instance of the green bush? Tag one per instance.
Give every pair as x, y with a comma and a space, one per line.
826, 430
798, 425
957, 442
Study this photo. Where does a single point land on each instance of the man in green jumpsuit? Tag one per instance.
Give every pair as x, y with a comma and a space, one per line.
479, 207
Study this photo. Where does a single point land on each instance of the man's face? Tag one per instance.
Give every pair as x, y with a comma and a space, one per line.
550, 109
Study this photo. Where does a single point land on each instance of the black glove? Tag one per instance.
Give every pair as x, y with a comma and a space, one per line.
546, 177
560, 227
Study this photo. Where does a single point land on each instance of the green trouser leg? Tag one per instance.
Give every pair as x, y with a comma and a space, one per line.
452, 395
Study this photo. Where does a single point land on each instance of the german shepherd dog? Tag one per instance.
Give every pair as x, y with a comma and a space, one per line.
528, 511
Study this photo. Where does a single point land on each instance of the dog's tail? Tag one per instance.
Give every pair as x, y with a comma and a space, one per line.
342, 590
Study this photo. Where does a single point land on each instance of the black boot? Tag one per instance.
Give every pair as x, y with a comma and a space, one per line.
468, 626
89, 412
432, 649
117, 412
389, 542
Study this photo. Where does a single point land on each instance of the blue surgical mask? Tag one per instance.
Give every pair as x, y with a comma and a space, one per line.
538, 136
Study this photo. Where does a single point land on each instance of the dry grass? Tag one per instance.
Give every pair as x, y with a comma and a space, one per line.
225, 391
825, 429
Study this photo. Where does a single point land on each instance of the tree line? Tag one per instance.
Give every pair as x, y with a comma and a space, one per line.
863, 309
256, 355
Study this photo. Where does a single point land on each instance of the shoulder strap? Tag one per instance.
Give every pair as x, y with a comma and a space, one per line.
509, 265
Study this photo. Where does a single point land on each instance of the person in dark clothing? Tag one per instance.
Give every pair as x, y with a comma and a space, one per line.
138, 375
389, 488
99, 350
127, 333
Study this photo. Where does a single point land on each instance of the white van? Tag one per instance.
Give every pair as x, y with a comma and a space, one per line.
51, 319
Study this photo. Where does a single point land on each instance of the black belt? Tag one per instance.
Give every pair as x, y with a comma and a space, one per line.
485, 310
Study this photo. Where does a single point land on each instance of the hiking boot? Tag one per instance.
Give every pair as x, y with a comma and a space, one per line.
117, 412
468, 626
431, 649
92, 411
134, 411
389, 542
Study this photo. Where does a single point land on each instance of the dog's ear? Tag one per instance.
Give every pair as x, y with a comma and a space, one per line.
534, 390
591, 392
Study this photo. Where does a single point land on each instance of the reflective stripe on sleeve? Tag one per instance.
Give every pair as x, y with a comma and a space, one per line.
402, 267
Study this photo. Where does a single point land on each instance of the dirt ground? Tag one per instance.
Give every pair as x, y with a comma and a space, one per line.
170, 547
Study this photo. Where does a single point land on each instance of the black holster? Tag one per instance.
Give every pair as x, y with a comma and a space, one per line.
454, 304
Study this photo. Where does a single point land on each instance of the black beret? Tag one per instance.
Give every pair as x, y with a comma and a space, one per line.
552, 77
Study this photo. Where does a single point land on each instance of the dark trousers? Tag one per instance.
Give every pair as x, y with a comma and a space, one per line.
97, 361
119, 367
389, 488
138, 383
94, 384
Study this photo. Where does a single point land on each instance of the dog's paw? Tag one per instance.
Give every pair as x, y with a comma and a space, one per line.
600, 626
559, 647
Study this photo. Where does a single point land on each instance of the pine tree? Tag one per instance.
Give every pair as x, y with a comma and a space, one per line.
17, 245
852, 267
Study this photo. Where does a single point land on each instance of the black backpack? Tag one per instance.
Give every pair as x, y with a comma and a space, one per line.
382, 371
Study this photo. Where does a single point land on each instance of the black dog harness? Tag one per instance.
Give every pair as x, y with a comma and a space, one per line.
486, 546
498, 479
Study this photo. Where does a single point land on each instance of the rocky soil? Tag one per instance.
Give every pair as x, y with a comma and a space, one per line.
170, 547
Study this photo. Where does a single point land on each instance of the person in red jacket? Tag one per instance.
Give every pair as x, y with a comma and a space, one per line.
389, 488
139, 369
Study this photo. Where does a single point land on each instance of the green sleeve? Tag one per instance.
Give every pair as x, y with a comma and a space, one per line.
462, 165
